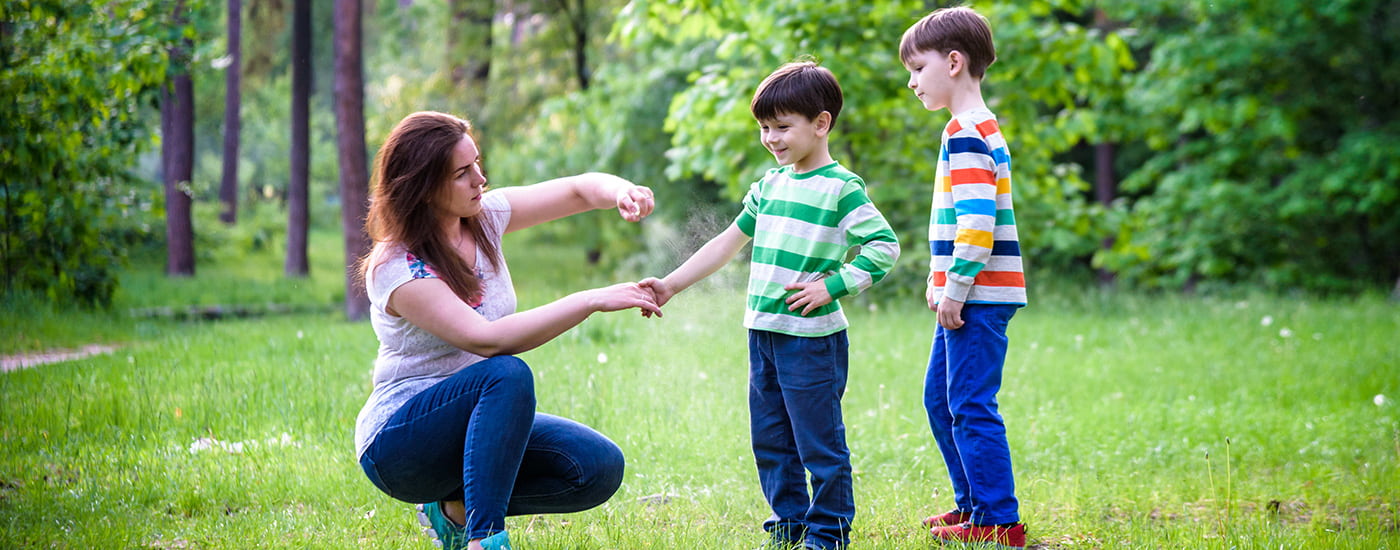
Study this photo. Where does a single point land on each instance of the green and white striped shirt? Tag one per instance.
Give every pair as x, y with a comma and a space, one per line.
802, 226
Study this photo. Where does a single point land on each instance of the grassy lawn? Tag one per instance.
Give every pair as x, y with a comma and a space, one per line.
1135, 421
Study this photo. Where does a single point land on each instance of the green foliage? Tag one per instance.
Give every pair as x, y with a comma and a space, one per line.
611, 127
78, 80
1050, 76
1271, 145
1252, 136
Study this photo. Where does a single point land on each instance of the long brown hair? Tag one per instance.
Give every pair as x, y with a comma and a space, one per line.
410, 171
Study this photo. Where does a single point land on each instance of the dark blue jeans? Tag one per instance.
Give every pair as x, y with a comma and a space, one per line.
960, 395
795, 389
476, 437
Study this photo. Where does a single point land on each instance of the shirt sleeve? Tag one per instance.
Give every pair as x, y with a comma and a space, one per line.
748, 217
867, 228
972, 169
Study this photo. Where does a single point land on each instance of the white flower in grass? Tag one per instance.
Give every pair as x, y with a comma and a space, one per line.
300, 335
1379, 400
602, 357
202, 444
1266, 321
1285, 332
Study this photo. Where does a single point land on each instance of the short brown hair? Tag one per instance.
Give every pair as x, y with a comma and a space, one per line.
800, 87
948, 29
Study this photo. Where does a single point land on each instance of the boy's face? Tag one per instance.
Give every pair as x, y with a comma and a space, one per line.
794, 139
930, 78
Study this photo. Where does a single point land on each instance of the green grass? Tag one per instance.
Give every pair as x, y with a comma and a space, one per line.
1135, 422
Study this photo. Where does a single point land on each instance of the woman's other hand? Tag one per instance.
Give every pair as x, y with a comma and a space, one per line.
635, 202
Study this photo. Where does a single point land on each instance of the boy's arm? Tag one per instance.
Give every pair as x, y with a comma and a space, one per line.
704, 262
974, 190
879, 249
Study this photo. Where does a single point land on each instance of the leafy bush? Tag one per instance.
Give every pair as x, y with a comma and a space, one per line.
77, 79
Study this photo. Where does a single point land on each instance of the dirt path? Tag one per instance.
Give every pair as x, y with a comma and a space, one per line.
25, 360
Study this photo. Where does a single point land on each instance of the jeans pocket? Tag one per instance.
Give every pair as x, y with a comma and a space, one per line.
372, 472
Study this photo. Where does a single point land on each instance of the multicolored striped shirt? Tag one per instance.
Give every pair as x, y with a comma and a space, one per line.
972, 230
802, 226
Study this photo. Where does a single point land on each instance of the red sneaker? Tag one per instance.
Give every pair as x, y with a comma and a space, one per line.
954, 517
1013, 537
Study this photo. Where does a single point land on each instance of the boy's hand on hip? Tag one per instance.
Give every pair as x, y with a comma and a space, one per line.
950, 313
810, 295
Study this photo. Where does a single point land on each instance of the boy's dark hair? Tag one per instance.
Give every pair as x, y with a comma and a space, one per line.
800, 87
949, 29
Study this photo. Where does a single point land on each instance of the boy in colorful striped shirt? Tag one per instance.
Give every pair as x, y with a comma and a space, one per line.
803, 217
975, 279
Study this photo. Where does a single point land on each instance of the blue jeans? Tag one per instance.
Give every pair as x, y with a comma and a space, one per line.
960, 395
475, 437
795, 389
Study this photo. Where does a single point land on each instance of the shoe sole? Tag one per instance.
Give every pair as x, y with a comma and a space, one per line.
427, 525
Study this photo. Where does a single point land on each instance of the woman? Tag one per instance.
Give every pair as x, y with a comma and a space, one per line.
451, 422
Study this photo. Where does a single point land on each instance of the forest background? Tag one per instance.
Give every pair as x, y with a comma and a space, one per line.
1158, 145
1206, 193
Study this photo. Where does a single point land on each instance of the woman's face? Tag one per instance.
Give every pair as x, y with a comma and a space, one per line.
461, 196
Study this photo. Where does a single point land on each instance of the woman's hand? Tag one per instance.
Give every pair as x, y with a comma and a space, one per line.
623, 296
660, 292
634, 202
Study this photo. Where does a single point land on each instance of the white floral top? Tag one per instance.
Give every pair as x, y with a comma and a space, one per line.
411, 359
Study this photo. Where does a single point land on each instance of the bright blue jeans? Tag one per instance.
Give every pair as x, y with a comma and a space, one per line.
476, 437
795, 389
960, 395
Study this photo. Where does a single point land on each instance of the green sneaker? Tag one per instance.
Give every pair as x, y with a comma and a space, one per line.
444, 534
498, 541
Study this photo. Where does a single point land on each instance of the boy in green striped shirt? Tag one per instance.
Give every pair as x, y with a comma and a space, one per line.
803, 218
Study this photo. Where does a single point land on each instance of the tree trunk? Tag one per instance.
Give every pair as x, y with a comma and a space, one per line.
177, 157
350, 140
1106, 191
228, 187
580, 23
298, 209
577, 16
469, 52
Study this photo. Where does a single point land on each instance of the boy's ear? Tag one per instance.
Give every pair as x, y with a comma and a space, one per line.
957, 62
823, 122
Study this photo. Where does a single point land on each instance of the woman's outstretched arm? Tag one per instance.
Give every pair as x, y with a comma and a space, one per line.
532, 205
432, 306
